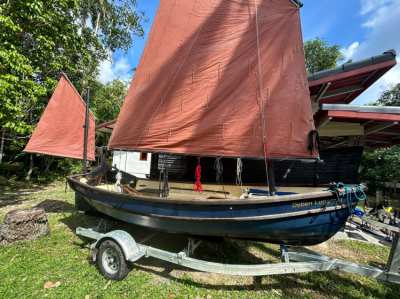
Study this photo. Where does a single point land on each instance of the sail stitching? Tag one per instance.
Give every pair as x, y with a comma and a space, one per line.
173, 78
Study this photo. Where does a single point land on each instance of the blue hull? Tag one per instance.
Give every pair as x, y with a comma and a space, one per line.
290, 220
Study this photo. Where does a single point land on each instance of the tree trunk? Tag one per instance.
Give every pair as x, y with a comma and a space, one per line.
3, 136
48, 164
97, 23
28, 175
25, 224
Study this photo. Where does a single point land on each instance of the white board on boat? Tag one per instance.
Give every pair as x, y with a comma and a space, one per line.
135, 163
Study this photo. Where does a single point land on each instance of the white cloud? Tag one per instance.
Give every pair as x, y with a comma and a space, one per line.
382, 25
349, 52
368, 6
109, 70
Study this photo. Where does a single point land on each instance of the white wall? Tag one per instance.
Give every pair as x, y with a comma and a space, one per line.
130, 162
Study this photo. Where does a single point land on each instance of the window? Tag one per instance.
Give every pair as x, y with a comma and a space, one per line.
143, 156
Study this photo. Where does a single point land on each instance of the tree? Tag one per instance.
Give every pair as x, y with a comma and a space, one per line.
40, 39
390, 97
380, 166
320, 55
113, 22
107, 100
383, 165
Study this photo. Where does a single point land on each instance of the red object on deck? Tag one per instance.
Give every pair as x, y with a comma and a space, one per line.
60, 130
197, 185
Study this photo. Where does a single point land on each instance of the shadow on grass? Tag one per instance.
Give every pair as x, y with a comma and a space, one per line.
55, 206
15, 192
328, 284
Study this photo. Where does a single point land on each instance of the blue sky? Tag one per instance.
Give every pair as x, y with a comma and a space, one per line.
362, 28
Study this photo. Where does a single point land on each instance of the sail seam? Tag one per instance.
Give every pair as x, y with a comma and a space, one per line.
173, 78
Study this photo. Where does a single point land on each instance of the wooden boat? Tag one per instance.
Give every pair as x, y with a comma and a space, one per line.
221, 88
217, 79
297, 217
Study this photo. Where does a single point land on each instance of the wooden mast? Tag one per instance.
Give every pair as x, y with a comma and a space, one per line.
86, 131
271, 177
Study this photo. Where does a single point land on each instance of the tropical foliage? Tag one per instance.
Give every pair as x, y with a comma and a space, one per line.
380, 166
320, 55
383, 165
390, 97
40, 39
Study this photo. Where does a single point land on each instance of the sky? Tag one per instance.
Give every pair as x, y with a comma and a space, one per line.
362, 28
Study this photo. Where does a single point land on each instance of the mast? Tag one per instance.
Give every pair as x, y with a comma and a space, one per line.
86, 131
271, 177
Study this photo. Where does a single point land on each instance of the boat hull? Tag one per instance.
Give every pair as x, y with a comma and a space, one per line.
305, 221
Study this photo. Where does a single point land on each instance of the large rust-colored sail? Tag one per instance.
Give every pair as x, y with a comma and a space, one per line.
60, 129
220, 78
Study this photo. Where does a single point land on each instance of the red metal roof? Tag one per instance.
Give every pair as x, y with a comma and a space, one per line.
345, 83
381, 125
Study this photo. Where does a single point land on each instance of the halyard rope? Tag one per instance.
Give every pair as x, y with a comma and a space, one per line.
260, 87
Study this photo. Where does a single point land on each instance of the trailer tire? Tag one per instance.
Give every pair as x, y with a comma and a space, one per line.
111, 260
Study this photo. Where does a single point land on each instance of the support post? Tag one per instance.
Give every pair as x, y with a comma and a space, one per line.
393, 264
271, 177
86, 132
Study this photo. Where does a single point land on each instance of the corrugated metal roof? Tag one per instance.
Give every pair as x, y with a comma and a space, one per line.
378, 126
345, 83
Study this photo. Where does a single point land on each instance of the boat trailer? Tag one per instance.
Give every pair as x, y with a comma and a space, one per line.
115, 250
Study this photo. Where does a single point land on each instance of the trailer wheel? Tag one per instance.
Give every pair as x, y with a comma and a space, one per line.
111, 260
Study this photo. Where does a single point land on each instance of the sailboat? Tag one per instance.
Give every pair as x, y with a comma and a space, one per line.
223, 79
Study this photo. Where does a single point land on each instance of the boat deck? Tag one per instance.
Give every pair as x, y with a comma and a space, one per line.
184, 190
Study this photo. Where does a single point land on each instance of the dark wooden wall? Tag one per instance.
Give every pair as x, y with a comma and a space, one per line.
339, 165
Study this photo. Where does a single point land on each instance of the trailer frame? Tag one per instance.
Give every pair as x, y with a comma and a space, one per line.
292, 261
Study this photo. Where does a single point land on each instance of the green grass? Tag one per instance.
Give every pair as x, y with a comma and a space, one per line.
62, 256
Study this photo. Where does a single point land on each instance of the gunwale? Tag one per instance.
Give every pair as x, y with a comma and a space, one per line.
190, 200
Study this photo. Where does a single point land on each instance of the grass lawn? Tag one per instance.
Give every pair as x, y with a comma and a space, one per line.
62, 260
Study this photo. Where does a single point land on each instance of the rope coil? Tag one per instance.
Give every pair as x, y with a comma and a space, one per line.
345, 192
219, 170
239, 171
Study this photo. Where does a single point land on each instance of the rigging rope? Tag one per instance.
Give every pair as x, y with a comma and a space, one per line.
126, 160
239, 170
219, 169
313, 141
16, 137
163, 182
345, 192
